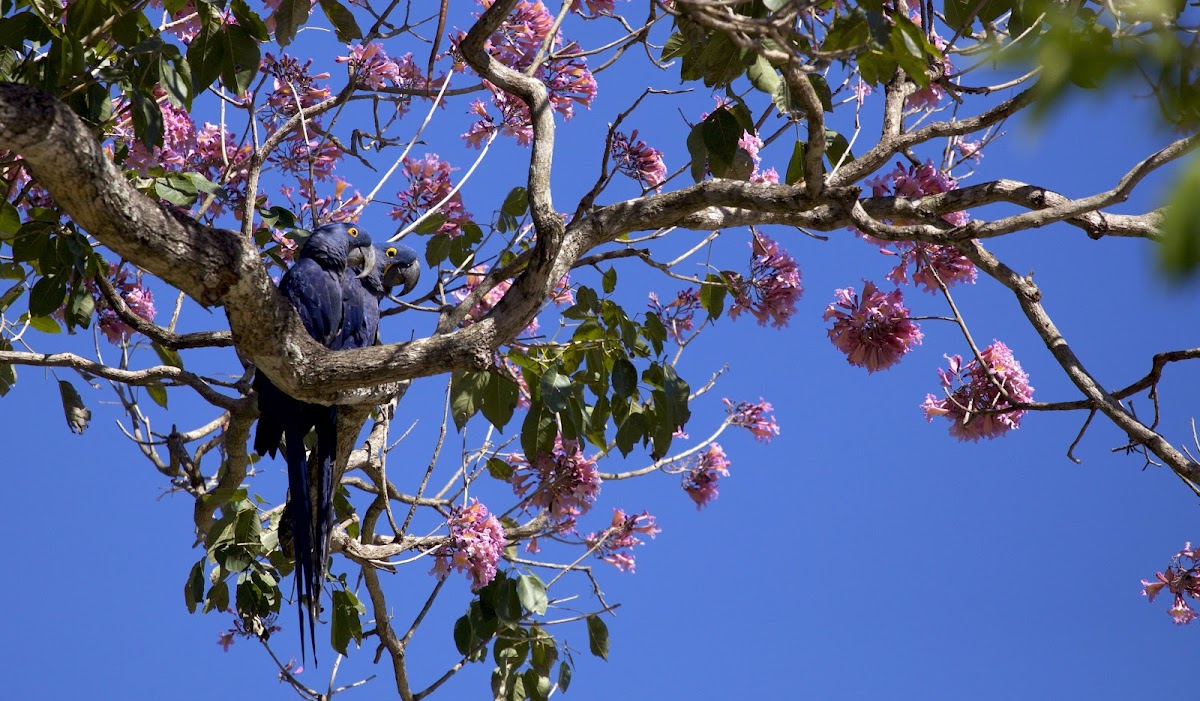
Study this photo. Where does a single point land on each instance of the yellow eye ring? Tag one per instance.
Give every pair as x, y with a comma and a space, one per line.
352, 231
391, 252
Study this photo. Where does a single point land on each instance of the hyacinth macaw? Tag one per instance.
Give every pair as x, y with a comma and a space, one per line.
396, 265
363, 289
315, 286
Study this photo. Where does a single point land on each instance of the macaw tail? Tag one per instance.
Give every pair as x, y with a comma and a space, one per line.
326, 427
308, 587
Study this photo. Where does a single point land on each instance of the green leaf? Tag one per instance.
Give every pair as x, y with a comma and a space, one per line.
437, 249
47, 295
720, 60
532, 593
516, 203
609, 282
466, 395
11, 295
347, 623
1179, 253
168, 357
538, 431
240, 58
624, 378
795, 168
698, 151
290, 16
175, 76
500, 469
80, 306
205, 56
77, 414
712, 296
763, 76
499, 399
564, 676
218, 598
158, 393
823, 92
10, 220
836, 146
721, 132
343, 21
555, 389
597, 636
250, 20
45, 324
8, 374
193, 589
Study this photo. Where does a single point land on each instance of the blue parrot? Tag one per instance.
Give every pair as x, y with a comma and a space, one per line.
396, 265
315, 285
393, 265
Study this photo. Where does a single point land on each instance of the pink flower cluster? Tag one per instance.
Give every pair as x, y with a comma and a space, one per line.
678, 315
615, 544
874, 331
980, 405
476, 543
136, 296
1181, 579
16, 181
429, 183
773, 288
752, 144
595, 8
292, 82
516, 44
376, 70
930, 262
639, 161
565, 482
753, 418
700, 482
475, 278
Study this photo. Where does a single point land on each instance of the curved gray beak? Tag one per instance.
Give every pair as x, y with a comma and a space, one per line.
363, 258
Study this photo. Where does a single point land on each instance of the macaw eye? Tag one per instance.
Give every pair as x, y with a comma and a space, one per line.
352, 231
391, 252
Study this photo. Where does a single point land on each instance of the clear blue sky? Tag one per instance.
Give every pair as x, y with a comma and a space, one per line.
863, 553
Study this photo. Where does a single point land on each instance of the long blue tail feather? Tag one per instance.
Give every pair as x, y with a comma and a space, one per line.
300, 512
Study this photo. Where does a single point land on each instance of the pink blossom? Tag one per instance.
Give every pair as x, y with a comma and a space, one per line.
565, 482
875, 331
972, 388
428, 184
129, 287
516, 43
615, 544
595, 8
861, 90
377, 71
773, 288
292, 84
700, 482
968, 149
639, 161
1182, 579
753, 418
476, 543
562, 292
1182, 612
475, 278
678, 315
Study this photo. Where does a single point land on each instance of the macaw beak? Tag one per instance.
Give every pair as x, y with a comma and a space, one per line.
403, 276
363, 258
412, 274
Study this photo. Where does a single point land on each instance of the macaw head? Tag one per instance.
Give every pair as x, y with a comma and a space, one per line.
338, 246
400, 267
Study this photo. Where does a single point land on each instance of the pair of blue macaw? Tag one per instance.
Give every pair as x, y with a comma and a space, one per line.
336, 284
